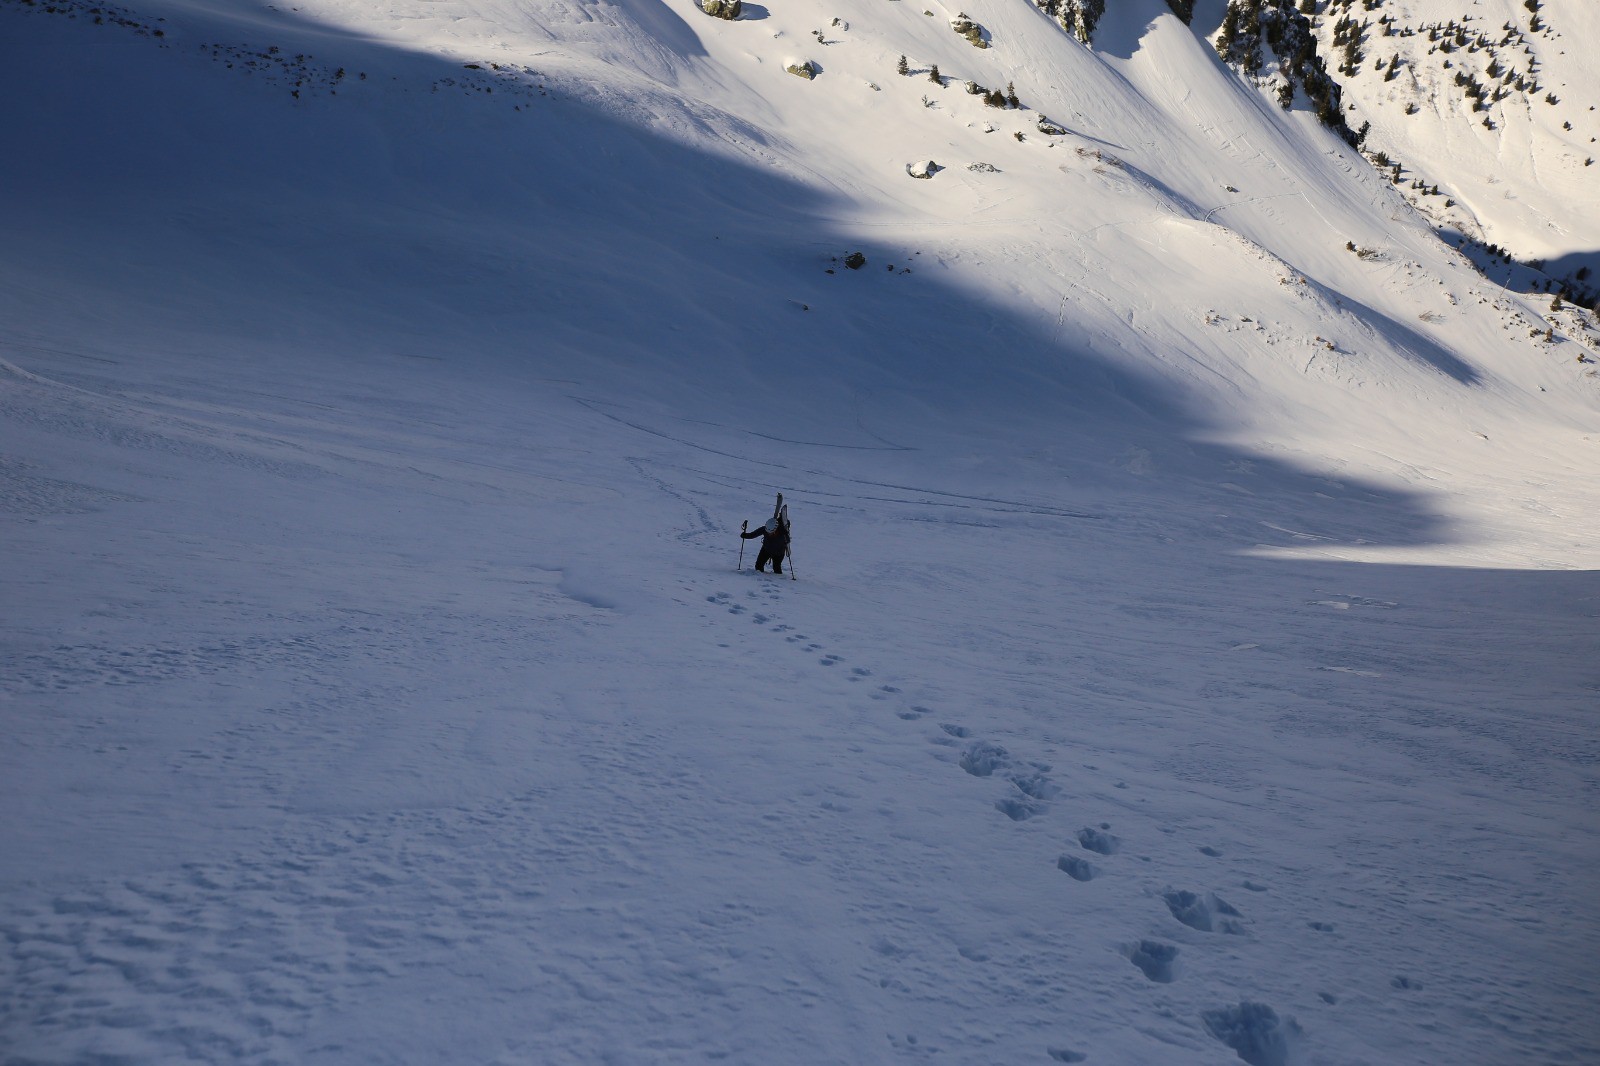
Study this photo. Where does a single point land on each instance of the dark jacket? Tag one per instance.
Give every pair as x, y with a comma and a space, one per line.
772, 544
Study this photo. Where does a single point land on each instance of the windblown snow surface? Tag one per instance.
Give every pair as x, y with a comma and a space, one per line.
1193, 652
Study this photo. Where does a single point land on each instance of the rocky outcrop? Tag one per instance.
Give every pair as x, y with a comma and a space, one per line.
973, 32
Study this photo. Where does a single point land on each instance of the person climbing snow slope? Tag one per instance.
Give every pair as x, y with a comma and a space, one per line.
774, 539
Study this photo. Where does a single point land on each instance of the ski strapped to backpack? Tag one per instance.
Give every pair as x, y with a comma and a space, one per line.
780, 511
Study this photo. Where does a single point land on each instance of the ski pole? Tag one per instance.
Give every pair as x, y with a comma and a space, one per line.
744, 527
790, 554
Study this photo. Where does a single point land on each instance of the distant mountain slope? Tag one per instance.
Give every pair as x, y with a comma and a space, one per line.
644, 194
1497, 108
1485, 116
1052, 201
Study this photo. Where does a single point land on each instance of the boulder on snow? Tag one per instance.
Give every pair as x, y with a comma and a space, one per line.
804, 69
925, 169
723, 9
1050, 129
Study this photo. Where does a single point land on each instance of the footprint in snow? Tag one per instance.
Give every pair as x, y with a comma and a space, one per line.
1076, 868
1019, 808
1255, 1032
1036, 785
1157, 961
1099, 841
982, 758
1208, 913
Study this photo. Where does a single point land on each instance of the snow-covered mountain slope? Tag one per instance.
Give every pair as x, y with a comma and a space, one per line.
1490, 111
1192, 653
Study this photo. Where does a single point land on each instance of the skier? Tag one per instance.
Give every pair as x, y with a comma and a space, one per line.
774, 538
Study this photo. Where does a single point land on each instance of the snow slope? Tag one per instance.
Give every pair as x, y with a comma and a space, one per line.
1192, 652
1517, 161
